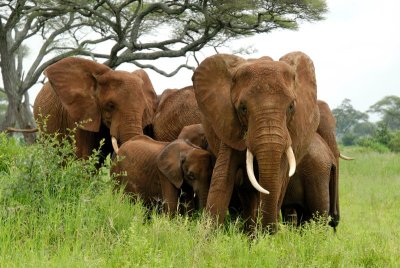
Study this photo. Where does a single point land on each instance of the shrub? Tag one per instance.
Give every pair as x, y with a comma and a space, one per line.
37, 175
372, 144
394, 143
348, 139
9, 148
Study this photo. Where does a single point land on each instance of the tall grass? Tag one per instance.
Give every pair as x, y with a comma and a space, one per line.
57, 211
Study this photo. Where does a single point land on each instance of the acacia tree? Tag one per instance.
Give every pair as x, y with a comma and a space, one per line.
389, 110
347, 117
135, 30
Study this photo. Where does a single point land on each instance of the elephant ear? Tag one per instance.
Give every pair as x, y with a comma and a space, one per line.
306, 117
74, 81
212, 81
304, 69
169, 162
150, 97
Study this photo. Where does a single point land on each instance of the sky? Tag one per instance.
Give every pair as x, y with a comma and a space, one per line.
355, 50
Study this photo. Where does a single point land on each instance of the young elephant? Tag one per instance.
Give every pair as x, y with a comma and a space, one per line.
312, 189
161, 170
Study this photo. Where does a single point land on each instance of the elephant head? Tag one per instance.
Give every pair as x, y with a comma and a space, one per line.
92, 93
183, 162
194, 134
266, 107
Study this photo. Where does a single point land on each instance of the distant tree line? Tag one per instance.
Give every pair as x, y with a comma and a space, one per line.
354, 128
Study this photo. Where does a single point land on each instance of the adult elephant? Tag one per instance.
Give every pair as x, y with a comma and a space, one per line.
313, 189
103, 101
267, 108
161, 170
177, 108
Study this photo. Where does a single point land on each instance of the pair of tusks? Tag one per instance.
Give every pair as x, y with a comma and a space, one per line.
250, 168
114, 143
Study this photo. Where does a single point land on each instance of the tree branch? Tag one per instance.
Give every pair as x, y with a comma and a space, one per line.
152, 67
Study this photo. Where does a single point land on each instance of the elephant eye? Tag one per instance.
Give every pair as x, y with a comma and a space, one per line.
110, 106
190, 176
243, 109
291, 108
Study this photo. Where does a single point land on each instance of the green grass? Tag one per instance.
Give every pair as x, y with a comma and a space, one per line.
57, 211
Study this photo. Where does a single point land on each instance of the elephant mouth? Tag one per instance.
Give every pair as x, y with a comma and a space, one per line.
250, 169
114, 143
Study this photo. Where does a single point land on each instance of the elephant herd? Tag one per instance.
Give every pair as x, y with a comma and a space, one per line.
248, 138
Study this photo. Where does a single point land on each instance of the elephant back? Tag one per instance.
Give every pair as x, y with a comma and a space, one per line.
177, 110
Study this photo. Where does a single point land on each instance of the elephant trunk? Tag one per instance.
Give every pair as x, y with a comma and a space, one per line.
129, 127
202, 197
270, 176
271, 145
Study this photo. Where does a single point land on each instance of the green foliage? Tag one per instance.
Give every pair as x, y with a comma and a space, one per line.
394, 143
348, 139
347, 117
372, 144
354, 128
382, 134
71, 216
389, 110
8, 149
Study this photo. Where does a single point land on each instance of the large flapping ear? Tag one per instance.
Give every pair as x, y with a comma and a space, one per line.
306, 117
212, 81
150, 97
74, 81
169, 162
304, 70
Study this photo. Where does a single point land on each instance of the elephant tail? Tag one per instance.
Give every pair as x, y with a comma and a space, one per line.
334, 211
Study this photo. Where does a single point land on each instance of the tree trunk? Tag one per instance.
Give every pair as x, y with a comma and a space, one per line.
19, 115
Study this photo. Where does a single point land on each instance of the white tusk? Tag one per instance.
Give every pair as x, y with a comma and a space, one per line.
291, 160
344, 157
250, 173
114, 143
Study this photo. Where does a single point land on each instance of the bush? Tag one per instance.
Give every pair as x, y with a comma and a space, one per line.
394, 143
33, 177
9, 148
372, 144
348, 139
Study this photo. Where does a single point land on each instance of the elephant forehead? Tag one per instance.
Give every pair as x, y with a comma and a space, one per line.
272, 76
267, 71
267, 78
120, 78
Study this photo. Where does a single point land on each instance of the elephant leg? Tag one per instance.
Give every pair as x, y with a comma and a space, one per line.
250, 202
222, 183
334, 198
317, 196
170, 196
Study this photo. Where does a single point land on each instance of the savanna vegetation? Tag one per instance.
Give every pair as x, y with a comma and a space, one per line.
355, 128
58, 211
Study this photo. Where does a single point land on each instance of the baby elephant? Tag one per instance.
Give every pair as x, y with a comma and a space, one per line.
161, 170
